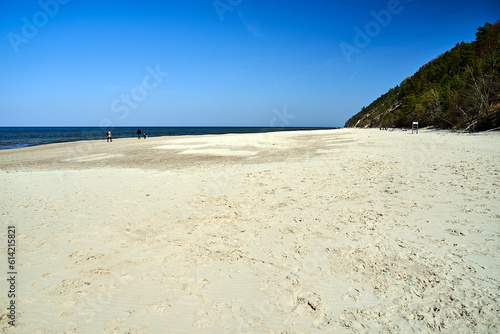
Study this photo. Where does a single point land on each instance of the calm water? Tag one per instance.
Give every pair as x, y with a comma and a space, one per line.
14, 137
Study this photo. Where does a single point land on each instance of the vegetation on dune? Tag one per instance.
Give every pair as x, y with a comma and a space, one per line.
460, 89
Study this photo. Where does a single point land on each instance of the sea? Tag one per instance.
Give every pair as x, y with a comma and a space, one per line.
16, 137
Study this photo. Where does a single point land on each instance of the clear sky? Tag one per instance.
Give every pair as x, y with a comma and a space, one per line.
217, 63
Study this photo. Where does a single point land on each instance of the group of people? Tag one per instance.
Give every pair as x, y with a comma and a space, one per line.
110, 139
139, 134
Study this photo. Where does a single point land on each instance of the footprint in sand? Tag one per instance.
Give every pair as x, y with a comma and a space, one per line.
455, 232
112, 325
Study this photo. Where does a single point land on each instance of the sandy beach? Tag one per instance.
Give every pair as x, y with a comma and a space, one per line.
347, 231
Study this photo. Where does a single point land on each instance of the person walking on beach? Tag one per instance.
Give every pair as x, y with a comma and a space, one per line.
108, 134
138, 133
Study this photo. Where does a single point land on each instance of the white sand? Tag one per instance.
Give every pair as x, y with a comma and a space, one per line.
353, 231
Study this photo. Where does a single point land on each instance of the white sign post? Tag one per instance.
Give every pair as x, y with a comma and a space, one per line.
414, 127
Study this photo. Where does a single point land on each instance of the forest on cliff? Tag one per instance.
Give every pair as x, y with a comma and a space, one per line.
459, 89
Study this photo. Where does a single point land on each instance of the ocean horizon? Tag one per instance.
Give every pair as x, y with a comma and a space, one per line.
17, 137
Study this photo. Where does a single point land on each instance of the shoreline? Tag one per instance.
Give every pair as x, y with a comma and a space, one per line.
99, 134
338, 230
432, 128
73, 155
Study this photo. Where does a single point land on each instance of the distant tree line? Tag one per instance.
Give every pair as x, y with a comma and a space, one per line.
460, 89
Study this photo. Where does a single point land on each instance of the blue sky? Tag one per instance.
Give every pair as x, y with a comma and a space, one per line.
217, 63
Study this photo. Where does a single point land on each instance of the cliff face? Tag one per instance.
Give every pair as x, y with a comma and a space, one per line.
460, 89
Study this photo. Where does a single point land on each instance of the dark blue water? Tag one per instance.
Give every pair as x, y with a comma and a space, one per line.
14, 137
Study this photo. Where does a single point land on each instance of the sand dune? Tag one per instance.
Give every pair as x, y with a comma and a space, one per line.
288, 232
